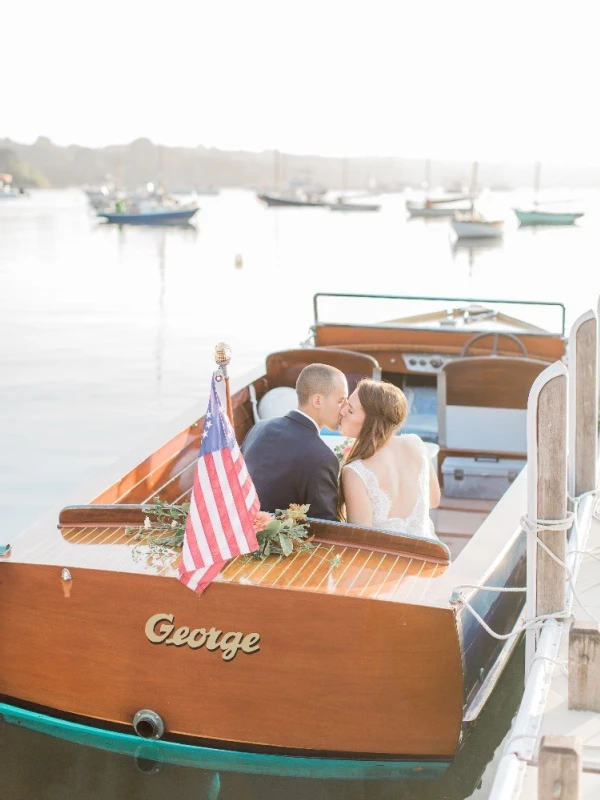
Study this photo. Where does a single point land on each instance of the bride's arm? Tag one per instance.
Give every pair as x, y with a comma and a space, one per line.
359, 510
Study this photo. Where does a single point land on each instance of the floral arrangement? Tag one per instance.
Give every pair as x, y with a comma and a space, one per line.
342, 449
282, 532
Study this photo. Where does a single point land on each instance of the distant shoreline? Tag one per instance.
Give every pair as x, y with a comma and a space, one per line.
45, 164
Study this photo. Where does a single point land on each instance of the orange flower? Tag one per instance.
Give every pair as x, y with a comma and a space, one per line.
261, 520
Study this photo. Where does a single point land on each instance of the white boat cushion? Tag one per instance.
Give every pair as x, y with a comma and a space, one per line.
277, 402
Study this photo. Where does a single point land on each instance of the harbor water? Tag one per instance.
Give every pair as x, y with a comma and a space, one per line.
107, 333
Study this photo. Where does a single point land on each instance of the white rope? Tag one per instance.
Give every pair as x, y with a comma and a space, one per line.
483, 588
561, 664
529, 525
513, 739
535, 623
533, 525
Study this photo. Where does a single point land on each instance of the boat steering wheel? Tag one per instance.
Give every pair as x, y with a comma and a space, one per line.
511, 336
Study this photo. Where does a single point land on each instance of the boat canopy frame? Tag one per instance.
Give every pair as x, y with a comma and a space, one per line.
461, 300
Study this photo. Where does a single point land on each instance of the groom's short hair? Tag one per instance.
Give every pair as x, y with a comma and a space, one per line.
316, 379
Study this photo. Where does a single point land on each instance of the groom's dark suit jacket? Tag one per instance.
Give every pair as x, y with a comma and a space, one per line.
289, 463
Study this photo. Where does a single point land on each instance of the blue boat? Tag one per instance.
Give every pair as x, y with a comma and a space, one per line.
155, 216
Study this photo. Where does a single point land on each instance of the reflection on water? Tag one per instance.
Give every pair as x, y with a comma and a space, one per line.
107, 332
474, 249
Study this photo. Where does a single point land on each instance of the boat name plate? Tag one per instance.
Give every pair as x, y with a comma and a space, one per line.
212, 639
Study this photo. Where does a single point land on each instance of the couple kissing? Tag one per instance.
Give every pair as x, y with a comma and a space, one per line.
386, 481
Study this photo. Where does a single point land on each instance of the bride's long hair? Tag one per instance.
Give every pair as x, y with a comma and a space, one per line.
385, 408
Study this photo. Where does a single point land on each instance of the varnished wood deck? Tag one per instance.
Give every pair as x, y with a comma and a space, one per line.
362, 572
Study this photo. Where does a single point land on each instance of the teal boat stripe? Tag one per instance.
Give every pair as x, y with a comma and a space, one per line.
224, 760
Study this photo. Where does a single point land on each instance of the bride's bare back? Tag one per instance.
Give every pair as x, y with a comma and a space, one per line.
391, 482
394, 488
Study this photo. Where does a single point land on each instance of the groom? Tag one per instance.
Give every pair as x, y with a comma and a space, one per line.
286, 458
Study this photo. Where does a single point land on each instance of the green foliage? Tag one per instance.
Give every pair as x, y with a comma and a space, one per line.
277, 534
164, 524
285, 531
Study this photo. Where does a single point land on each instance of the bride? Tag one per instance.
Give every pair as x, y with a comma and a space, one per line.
387, 481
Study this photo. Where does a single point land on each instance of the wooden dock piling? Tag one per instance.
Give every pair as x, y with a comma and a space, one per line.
559, 768
546, 494
584, 666
583, 403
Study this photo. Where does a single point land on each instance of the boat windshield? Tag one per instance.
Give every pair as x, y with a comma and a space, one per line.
439, 313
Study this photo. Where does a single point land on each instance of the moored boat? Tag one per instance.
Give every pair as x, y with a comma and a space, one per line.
7, 191
154, 217
150, 213
292, 199
346, 654
348, 205
475, 226
446, 207
540, 216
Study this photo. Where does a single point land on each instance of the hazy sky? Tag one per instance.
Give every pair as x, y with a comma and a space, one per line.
483, 79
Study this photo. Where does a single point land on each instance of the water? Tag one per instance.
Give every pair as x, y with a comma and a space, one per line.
106, 334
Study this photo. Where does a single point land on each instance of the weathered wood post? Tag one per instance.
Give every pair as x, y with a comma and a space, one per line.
584, 666
546, 495
559, 768
583, 404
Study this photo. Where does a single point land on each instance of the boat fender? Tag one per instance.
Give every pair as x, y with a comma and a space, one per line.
148, 724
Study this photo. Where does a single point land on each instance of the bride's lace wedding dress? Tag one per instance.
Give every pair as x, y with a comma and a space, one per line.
418, 522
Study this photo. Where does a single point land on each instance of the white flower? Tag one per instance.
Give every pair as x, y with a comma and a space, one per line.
147, 523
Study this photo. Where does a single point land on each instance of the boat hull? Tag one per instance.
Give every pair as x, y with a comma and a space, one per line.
546, 217
274, 200
420, 210
177, 217
342, 677
478, 230
213, 759
354, 207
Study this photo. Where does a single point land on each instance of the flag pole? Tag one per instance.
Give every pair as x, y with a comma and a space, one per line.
223, 357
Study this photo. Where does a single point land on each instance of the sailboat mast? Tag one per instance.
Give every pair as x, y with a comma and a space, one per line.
473, 187
536, 181
161, 170
276, 169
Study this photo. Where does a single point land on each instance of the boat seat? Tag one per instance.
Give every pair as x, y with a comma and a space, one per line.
482, 406
284, 367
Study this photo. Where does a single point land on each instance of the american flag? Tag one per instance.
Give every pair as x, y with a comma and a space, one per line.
223, 504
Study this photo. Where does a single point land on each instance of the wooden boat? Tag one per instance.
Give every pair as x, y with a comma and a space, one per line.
369, 663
